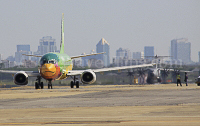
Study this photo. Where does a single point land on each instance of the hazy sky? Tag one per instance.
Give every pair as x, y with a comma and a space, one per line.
130, 24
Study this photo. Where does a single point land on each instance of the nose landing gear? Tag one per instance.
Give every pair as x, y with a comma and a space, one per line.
50, 85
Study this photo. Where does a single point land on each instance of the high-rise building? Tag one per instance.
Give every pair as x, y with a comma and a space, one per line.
47, 44
174, 49
1, 58
103, 46
181, 50
22, 49
100, 60
184, 51
199, 56
138, 55
123, 57
123, 54
149, 51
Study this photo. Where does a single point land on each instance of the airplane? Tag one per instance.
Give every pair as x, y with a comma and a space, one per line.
151, 75
154, 74
157, 57
58, 66
159, 75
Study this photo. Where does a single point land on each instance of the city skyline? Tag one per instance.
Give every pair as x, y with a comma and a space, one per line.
128, 24
180, 51
48, 44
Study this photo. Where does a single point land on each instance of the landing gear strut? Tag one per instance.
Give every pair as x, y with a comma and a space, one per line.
39, 84
50, 85
74, 82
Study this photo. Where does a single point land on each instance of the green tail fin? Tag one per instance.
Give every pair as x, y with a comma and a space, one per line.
62, 35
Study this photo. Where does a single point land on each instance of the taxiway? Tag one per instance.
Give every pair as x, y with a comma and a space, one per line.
101, 105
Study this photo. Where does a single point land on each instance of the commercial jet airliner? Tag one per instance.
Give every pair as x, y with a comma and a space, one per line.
58, 66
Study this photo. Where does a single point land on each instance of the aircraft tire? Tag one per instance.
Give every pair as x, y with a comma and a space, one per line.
36, 85
49, 86
42, 85
72, 84
77, 84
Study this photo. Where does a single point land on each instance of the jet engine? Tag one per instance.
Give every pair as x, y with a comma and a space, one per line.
21, 78
88, 77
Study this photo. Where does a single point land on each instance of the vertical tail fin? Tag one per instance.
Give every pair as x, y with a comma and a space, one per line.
62, 35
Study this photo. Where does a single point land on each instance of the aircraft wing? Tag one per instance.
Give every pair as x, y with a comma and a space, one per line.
29, 73
79, 72
32, 55
121, 68
73, 57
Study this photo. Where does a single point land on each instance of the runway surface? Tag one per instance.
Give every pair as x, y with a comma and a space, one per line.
101, 105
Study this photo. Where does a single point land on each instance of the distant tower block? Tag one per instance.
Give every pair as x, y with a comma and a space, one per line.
103, 46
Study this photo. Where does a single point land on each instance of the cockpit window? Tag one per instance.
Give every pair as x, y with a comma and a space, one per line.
47, 61
44, 61
52, 61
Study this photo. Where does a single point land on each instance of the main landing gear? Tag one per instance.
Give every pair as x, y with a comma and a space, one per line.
74, 82
39, 84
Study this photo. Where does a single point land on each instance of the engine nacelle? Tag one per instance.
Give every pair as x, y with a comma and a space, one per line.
21, 78
88, 77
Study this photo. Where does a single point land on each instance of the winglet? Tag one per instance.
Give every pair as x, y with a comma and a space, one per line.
62, 35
